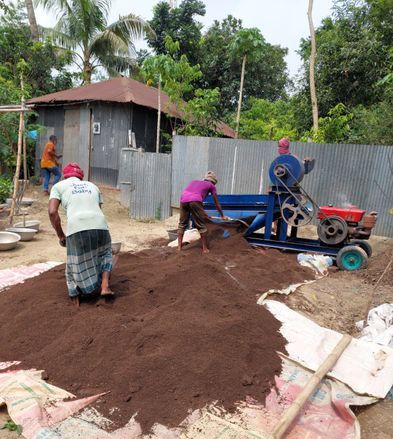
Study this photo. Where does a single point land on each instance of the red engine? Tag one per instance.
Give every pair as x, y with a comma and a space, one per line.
338, 224
350, 215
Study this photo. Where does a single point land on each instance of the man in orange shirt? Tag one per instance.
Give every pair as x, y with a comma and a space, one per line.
49, 163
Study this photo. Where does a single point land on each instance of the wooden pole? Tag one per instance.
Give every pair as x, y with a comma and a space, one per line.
239, 105
290, 414
158, 116
24, 156
313, 90
19, 153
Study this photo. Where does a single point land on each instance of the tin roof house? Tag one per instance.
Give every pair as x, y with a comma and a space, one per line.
94, 122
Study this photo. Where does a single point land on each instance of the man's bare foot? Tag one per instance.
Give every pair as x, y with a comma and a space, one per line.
75, 301
107, 292
205, 250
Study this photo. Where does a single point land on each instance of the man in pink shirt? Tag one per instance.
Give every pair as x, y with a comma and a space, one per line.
191, 204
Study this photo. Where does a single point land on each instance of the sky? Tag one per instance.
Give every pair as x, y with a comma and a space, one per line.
282, 22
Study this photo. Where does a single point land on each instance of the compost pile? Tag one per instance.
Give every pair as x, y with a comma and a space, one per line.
184, 331
376, 267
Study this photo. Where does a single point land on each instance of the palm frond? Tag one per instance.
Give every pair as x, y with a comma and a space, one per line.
131, 27
59, 38
57, 6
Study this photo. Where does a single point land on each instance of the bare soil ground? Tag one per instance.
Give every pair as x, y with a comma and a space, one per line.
134, 235
336, 301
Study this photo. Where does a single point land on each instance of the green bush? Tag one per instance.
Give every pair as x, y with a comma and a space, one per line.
5, 188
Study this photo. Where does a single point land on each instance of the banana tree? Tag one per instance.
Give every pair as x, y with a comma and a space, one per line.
83, 28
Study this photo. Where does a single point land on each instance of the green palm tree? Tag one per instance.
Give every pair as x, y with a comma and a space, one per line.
83, 28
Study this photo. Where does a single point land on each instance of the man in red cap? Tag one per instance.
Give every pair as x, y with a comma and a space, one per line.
283, 146
88, 242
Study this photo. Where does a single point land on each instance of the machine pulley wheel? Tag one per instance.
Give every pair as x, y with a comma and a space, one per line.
332, 230
297, 211
351, 257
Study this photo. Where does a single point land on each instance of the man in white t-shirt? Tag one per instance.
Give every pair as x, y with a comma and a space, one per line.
88, 242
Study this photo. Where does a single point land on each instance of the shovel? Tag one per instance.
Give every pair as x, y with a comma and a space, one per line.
230, 220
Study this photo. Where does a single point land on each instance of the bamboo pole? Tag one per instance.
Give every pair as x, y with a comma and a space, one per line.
19, 153
290, 414
158, 116
24, 157
14, 109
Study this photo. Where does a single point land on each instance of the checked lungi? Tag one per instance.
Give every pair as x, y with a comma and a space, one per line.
89, 254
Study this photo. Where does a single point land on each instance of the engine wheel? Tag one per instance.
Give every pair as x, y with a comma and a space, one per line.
351, 258
363, 245
332, 230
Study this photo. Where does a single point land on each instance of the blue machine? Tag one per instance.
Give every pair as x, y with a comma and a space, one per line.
274, 218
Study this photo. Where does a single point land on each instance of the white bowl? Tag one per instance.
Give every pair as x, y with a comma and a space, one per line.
30, 224
24, 233
116, 246
8, 240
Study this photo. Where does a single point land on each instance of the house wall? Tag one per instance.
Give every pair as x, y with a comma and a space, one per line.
97, 154
69, 124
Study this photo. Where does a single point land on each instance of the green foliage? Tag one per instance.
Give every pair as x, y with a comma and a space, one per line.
265, 120
372, 125
247, 42
266, 76
334, 128
180, 25
202, 114
5, 188
178, 78
353, 55
83, 29
44, 66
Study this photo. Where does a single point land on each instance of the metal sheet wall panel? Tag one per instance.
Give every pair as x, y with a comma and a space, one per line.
145, 183
71, 135
125, 171
150, 189
114, 125
344, 174
190, 157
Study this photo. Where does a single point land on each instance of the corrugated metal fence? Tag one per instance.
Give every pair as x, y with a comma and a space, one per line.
145, 183
357, 174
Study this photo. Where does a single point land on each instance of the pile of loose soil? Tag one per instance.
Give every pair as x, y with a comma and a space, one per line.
376, 267
183, 331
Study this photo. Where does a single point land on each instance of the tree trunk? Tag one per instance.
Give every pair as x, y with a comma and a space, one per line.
158, 116
313, 91
240, 97
87, 67
32, 20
